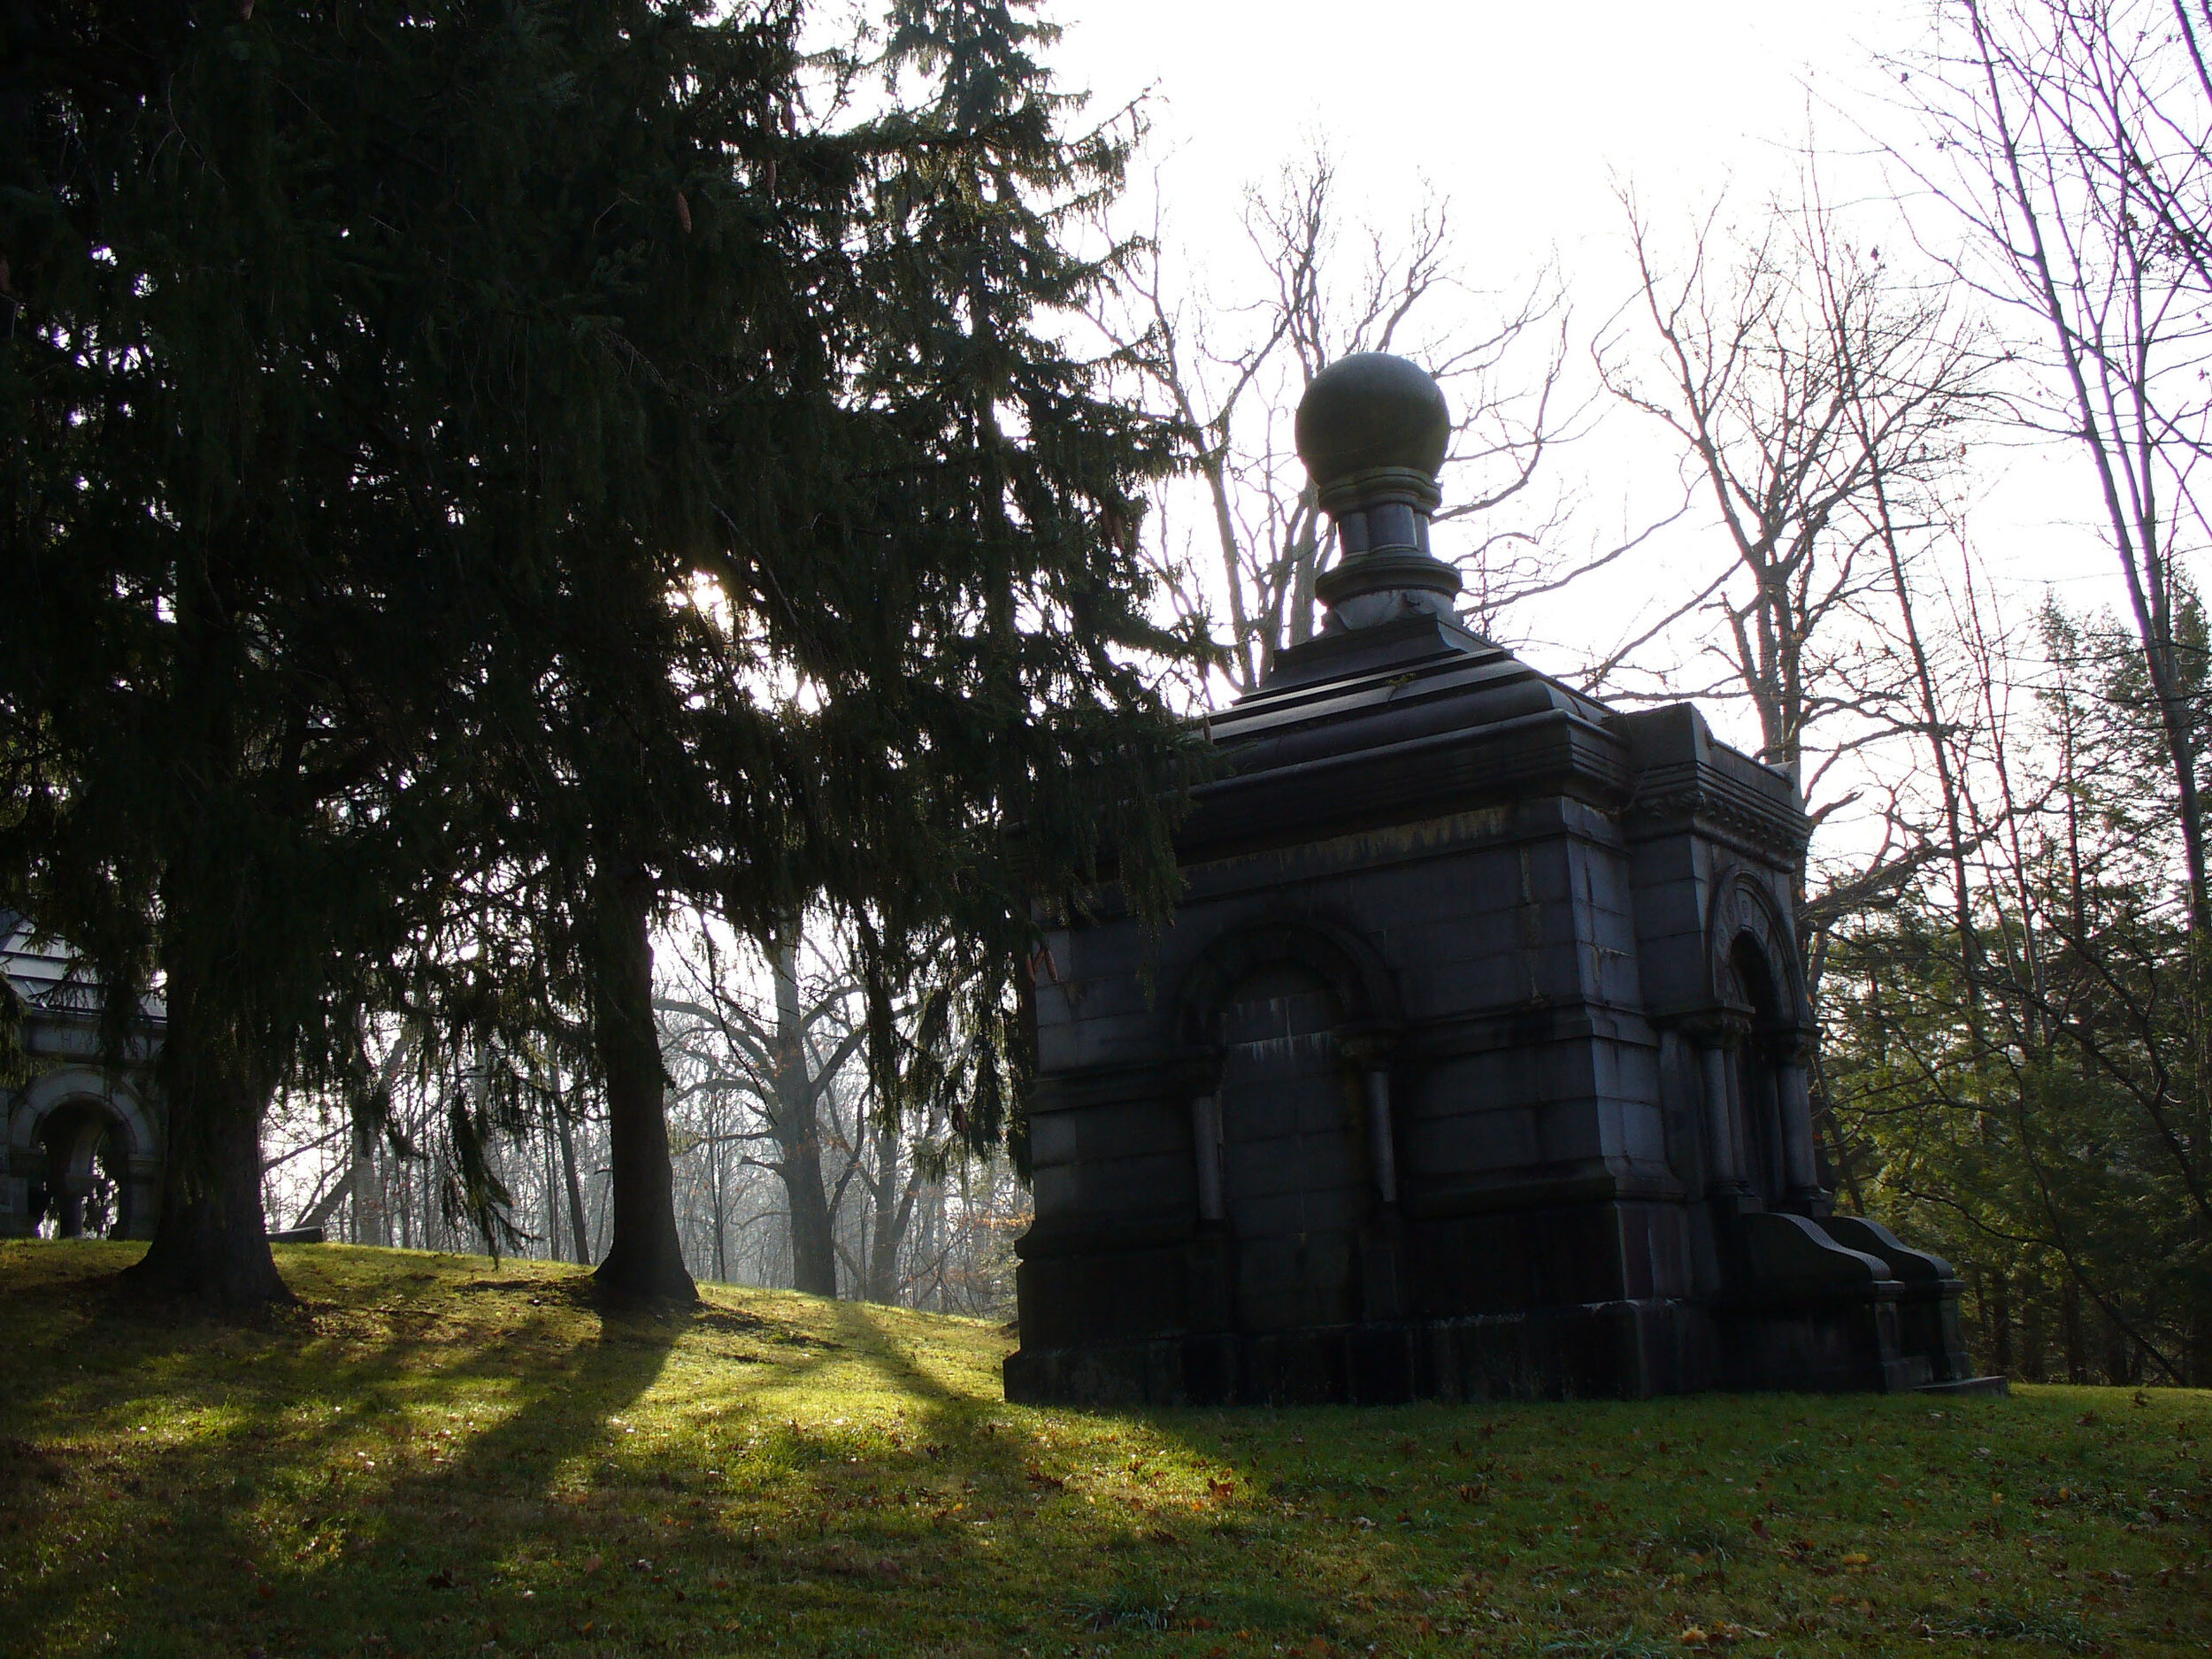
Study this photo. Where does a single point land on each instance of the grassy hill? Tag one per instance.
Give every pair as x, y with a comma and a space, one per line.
440, 1455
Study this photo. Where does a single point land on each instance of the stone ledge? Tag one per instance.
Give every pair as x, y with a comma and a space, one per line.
1601, 1350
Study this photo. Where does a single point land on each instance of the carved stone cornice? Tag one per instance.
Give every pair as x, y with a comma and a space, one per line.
1700, 797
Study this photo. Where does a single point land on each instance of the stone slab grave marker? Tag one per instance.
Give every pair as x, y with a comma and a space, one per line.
1473, 1063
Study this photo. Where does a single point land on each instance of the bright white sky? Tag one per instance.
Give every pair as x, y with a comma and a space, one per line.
1522, 113
1528, 118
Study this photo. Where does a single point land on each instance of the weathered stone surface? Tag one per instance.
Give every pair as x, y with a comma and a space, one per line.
1471, 1064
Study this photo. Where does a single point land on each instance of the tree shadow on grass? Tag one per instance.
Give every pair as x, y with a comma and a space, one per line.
1030, 1544
315, 1486
436, 1466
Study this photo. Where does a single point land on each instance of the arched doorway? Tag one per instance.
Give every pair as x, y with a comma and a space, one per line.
84, 1189
1294, 1182
1758, 1101
82, 1156
1758, 1115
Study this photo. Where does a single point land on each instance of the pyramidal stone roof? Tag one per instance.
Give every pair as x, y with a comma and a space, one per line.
1396, 711
46, 975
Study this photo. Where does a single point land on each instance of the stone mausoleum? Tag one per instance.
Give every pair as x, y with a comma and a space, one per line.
1473, 1062
83, 1138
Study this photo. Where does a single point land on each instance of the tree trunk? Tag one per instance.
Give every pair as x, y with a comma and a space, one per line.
645, 1261
798, 1132
2076, 1341
579, 1223
2116, 1369
211, 1243
548, 1167
721, 1203
2034, 1343
372, 1225
894, 1211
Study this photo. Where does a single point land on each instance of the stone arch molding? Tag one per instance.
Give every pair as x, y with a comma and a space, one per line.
1371, 1020
113, 1097
1745, 906
1340, 958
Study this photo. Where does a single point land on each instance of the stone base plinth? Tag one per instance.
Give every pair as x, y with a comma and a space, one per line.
1607, 1350
1628, 1349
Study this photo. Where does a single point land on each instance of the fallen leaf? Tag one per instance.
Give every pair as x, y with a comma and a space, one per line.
1857, 1560
592, 1564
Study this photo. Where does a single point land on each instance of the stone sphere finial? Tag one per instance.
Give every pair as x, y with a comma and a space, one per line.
1371, 412
1372, 430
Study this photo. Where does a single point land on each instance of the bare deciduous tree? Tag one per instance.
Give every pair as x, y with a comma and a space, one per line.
789, 1059
2073, 139
1820, 403
1231, 368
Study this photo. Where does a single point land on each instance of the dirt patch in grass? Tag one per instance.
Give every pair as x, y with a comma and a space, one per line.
434, 1455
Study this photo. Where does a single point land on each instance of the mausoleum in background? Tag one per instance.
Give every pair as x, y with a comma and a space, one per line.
83, 1142
1474, 1060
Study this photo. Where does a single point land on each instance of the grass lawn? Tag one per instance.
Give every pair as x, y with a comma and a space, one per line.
440, 1455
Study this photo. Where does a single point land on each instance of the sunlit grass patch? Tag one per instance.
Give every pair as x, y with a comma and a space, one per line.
436, 1454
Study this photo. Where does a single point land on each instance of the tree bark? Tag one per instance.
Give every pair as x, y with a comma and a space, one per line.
211, 1243
2000, 1322
549, 1167
2076, 1342
645, 1261
798, 1133
579, 1223
721, 1204
894, 1211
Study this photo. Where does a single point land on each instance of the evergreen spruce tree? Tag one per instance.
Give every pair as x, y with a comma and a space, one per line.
959, 612
1052, 763
224, 578
319, 337
494, 474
